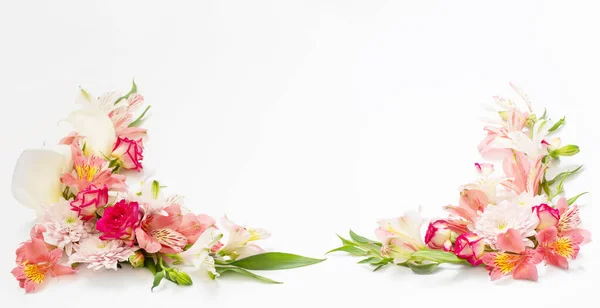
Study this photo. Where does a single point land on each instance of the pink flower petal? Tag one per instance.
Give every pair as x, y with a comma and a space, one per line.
511, 241
526, 271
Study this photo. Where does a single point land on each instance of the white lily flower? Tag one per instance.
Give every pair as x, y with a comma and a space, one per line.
36, 177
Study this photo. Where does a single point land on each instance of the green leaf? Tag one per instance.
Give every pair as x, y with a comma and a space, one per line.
157, 279
355, 251
422, 268
380, 266
557, 125
274, 261
546, 188
371, 260
438, 256
132, 91
563, 174
572, 200
139, 119
544, 115
224, 269
360, 239
346, 242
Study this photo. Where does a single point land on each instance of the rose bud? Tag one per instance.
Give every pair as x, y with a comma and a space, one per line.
438, 235
469, 246
129, 153
547, 215
89, 200
137, 259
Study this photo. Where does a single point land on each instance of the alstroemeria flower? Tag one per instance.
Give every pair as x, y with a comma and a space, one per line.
122, 117
35, 261
438, 235
533, 147
557, 250
569, 220
484, 169
525, 172
198, 254
88, 201
470, 247
36, 177
401, 236
91, 170
129, 153
237, 245
547, 215
119, 222
521, 266
170, 233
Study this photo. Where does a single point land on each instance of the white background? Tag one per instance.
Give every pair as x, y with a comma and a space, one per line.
306, 118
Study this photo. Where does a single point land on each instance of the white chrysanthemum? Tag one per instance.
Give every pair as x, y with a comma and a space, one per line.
527, 199
63, 226
99, 254
506, 215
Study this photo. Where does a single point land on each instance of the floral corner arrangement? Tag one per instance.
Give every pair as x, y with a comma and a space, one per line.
88, 215
508, 221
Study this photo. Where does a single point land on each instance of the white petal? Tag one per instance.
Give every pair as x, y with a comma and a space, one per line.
96, 127
36, 178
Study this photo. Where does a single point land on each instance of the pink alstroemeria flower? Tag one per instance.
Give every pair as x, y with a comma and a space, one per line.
129, 153
89, 200
170, 233
558, 250
525, 172
515, 122
122, 116
35, 261
521, 266
92, 170
472, 202
119, 222
569, 220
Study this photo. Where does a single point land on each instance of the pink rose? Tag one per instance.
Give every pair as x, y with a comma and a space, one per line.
129, 153
89, 200
119, 221
469, 246
547, 215
438, 235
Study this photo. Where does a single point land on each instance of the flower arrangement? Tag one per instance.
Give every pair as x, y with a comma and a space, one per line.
90, 216
507, 221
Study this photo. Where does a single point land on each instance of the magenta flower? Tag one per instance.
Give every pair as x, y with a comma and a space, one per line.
119, 222
89, 200
129, 153
469, 246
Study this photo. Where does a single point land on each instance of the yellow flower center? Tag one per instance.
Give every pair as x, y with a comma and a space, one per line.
506, 262
563, 247
35, 272
86, 172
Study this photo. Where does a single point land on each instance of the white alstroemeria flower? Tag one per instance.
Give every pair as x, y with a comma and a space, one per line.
152, 198
239, 237
532, 146
199, 254
93, 122
401, 236
527, 199
36, 177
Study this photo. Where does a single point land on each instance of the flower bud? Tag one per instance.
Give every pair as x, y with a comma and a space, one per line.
438, 235
471, 247
547, 215
567, 150
137, 259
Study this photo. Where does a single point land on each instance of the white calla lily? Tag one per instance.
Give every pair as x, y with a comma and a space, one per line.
96, 127
36, 178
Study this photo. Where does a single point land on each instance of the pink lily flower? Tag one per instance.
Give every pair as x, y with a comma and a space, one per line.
35, 261
91, 170
525, 175
170, 233
557, 250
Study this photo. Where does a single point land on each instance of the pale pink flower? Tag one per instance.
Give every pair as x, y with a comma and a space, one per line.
238, 245
525, 173
99, 254
470, 247
547, 216
122, 116
89, 200
438, 235
401, 236
497, 219
63, 227
35, 260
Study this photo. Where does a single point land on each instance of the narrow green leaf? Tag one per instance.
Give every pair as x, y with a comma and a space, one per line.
346, 242
274, 261
355, 251
379, 267
545, 114
546, 188
360, 239
132, 91
139, 119
370, 260
439, 256
570, 201
157, 279
223, 269
563, 174
557, 125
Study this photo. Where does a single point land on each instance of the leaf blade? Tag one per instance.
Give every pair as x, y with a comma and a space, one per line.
241, 271
275, 261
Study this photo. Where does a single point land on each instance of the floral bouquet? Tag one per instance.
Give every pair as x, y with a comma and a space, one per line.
508, 222
88, 215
